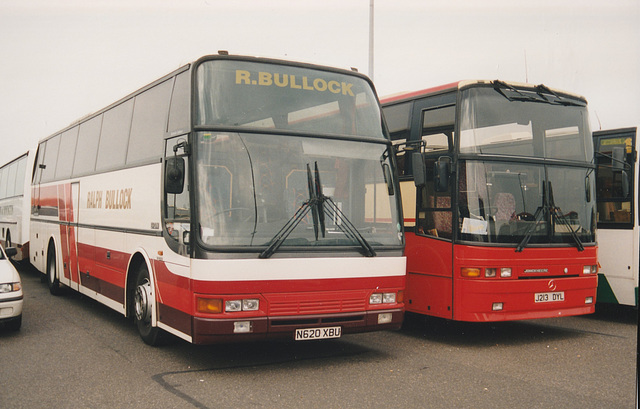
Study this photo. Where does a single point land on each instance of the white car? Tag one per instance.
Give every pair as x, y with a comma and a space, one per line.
10, 291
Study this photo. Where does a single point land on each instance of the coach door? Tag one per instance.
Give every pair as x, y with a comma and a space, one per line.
69, 233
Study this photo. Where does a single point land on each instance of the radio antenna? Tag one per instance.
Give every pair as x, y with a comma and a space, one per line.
526, 69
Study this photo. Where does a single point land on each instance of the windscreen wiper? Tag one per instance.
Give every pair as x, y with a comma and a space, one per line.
499, 85
319, 205
556, 214
294, 221
560, 100
321, 199
529, 232
344, 224
560, 218
537, 216
521, 96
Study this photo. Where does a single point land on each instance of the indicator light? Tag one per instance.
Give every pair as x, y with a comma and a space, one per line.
470, 272
209, 305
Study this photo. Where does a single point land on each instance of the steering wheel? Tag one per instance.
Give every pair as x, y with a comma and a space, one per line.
525, 217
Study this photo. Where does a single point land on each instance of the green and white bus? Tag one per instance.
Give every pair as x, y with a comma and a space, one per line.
618, 225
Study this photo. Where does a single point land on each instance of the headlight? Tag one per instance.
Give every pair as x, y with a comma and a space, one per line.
233, 305
250, 305
382, 298
589, 269
9, 287
505, 272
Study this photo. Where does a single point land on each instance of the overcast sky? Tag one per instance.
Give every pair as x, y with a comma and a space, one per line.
63, 59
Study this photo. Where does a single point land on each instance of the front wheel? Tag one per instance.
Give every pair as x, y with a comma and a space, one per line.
144, 302
15, 324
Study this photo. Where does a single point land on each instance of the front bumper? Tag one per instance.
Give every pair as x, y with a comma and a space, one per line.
208, 331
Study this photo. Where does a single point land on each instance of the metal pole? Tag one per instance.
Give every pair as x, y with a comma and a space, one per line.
371, 39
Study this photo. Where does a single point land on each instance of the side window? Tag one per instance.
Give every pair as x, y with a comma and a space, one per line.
615, 163
437, 128
177, 210
11, 179
87, 147
434, 212
50, 159
149, 124
179, 117
398, 119
4, 175
20, 174
114, 138
38, 164
66, 152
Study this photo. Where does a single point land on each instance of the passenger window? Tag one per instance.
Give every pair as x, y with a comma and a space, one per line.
66, 153
179, 117
87, 148
22, 168
11, 179
50, 159
149, 124
437, 128
114, 137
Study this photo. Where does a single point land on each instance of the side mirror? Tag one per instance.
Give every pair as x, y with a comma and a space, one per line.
617, 159
625, 184
174, 175
418, 169
587, 188
386, 172
11, 251
441, 175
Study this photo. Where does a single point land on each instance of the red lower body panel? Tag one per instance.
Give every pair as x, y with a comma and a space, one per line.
518, 298
436, 287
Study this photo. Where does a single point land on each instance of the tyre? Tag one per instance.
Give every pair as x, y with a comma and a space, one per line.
53, 282
143, 304
14, 324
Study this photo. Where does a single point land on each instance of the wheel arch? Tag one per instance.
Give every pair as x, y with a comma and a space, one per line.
138, 258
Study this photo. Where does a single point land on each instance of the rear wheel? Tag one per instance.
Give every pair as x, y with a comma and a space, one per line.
53, 281
143, 304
